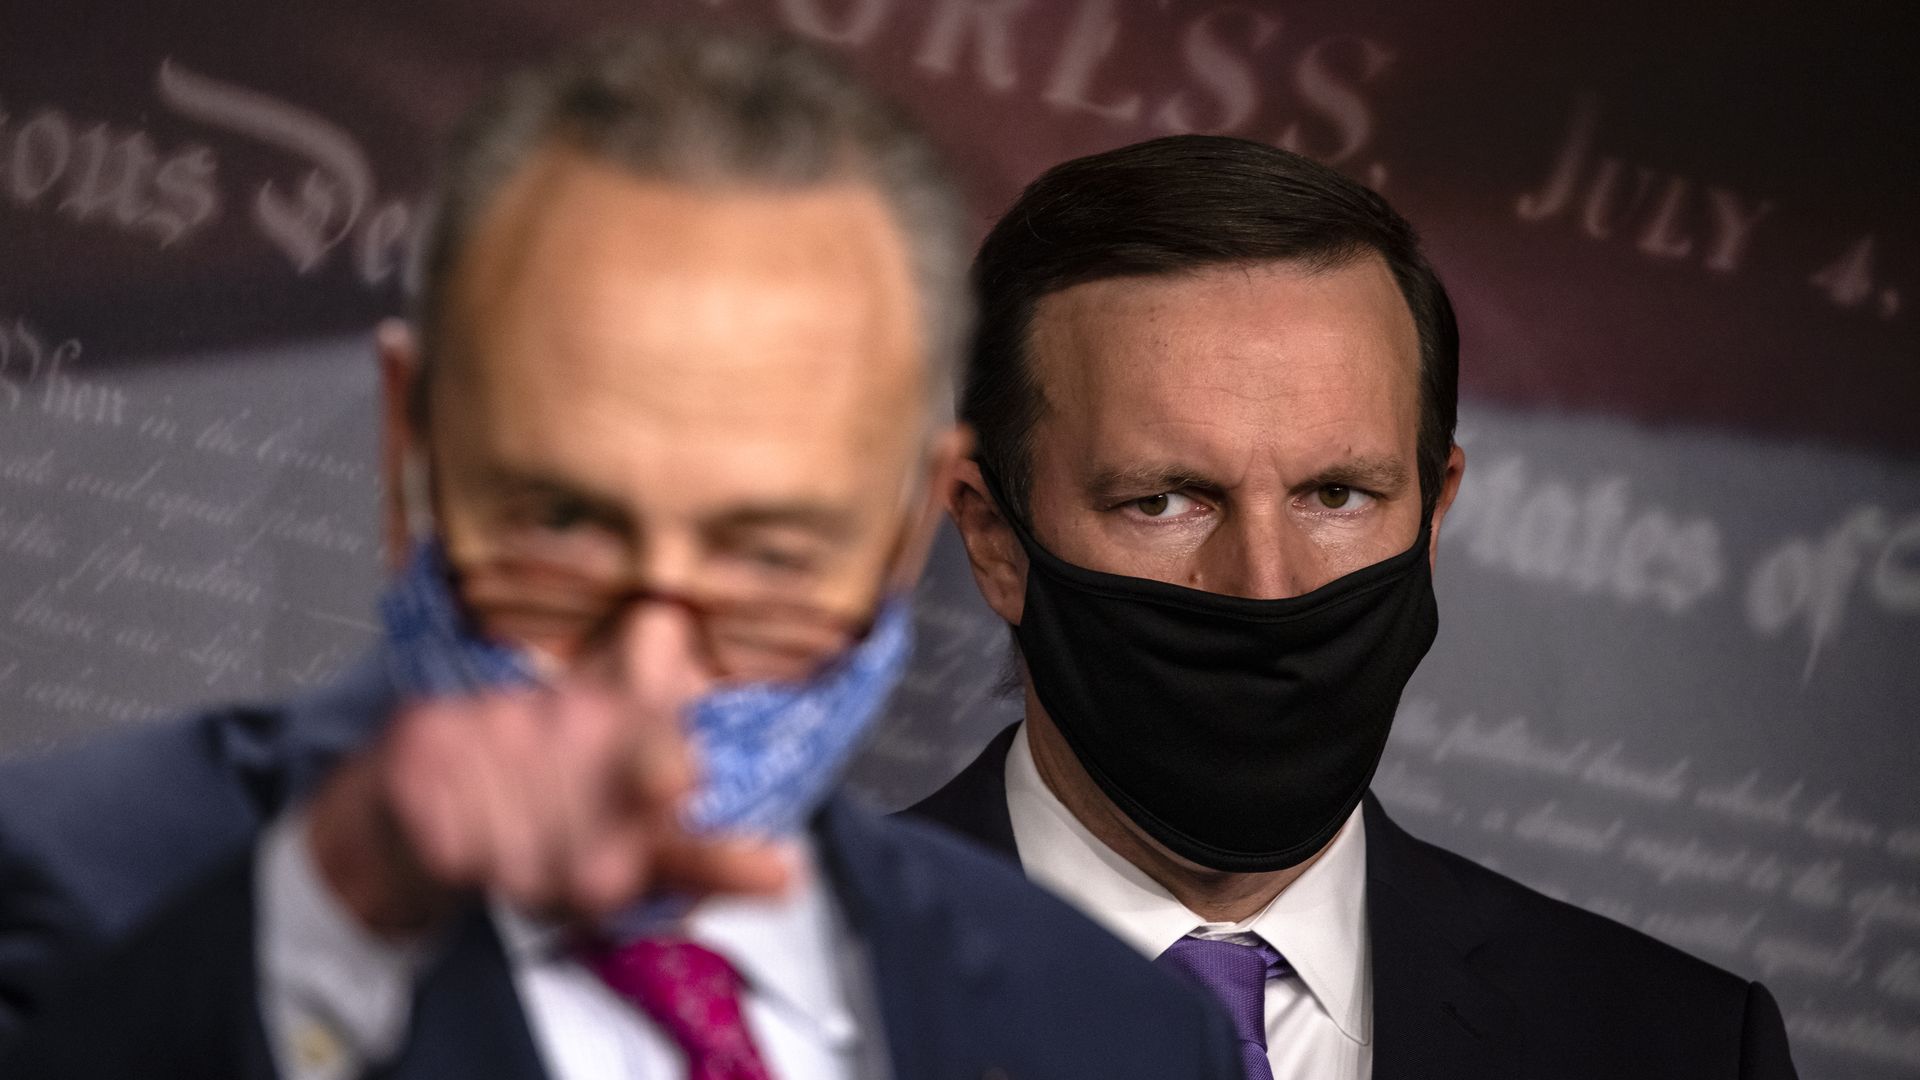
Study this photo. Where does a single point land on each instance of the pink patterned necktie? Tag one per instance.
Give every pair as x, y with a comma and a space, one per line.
694, 995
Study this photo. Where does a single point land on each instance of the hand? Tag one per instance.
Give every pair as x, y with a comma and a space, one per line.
563, 801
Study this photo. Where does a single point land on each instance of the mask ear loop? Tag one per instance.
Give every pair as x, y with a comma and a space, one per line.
417, 502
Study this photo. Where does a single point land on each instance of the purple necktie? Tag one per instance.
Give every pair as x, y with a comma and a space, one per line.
1237, 974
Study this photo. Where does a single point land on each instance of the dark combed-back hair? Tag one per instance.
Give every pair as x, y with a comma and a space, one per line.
709, 109
1170, 206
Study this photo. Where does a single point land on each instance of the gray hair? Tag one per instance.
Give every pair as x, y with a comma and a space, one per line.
709, 108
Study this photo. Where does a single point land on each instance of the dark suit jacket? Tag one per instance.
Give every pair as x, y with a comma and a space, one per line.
1478, 977
94, 840
974, 969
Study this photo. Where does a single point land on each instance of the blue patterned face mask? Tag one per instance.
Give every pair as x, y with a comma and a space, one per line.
769, 752
430, 648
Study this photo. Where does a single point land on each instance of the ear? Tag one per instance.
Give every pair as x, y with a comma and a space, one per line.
1449, 487
400, 443
999, 562
947, 451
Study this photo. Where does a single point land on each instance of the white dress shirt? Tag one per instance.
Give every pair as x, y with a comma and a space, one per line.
1320, 1019
335, 999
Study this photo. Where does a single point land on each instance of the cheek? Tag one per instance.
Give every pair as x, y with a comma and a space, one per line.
1122, 545
552, 647
869, 565
1343, 555
1349, 546
461, 521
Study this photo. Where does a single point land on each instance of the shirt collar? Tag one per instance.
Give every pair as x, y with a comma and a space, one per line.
1318, 922
786, 950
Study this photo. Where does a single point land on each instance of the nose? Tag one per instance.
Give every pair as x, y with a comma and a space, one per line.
656, 647
1259, 556
658, 655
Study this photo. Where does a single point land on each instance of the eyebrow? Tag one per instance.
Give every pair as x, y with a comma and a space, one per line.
1113, 482
1387, 475
1383, 474
515, 484
827, 522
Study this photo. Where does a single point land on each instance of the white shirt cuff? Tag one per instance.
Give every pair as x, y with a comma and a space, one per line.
334, 997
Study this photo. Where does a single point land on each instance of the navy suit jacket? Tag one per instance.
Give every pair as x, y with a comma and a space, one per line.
127, 930
1477, 977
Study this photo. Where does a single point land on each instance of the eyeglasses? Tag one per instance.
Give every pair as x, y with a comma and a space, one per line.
743, 637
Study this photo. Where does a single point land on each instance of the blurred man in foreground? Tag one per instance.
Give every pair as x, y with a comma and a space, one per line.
670, 449
1214, 390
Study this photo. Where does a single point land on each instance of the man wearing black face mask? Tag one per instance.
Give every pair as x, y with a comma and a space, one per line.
1214, 392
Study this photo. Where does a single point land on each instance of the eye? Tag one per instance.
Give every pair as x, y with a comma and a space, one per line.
1167, 504
790, 562
763, 554
562, 515
1341, 497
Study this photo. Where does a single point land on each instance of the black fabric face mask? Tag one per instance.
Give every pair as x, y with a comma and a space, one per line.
1239, 733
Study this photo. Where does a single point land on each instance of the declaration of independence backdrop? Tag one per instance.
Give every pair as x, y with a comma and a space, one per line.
1679, 665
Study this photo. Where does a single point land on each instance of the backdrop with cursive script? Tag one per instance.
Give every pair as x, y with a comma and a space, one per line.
1679, 663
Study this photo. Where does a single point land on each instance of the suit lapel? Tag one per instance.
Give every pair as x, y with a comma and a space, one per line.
1434, 1016
903, 918
974, 803
467, 1019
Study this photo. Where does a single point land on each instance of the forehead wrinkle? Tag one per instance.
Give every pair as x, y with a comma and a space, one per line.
536, 222
576, 292
767, 295
1187, 448
1122, 343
